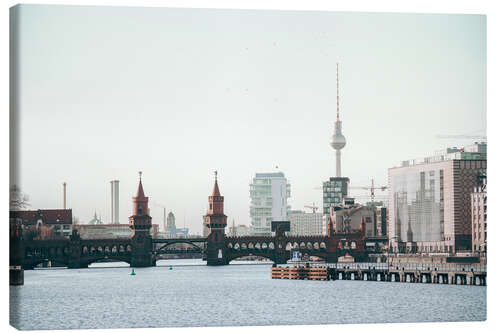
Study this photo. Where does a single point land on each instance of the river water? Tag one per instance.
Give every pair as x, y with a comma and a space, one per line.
193, 294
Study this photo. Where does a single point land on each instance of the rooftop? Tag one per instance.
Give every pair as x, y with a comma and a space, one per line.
476, 151
48, 216
270, 175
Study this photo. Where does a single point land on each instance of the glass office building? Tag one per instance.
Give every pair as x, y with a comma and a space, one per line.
334, 191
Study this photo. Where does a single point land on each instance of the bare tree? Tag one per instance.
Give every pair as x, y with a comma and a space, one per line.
18, 200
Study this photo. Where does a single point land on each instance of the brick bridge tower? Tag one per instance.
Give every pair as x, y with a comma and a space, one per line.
140, 223
216, 222
332, 241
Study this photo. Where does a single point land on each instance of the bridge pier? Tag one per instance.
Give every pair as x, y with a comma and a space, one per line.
16, 276
141, 261
77, 264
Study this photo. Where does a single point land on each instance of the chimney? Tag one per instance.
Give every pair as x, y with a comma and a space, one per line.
115, 200
64, 195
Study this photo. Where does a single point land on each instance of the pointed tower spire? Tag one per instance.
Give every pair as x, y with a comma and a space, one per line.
140, 200
216, 192
140, 190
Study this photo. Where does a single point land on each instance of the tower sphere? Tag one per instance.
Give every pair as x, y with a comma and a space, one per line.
337, 141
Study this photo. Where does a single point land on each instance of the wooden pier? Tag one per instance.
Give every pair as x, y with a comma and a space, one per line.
449, 273
300, 273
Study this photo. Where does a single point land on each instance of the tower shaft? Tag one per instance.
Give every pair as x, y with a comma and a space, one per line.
338, 163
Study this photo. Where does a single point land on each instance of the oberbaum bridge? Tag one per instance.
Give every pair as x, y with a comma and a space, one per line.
142, 250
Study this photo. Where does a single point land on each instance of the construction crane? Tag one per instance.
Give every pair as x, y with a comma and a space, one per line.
462, 136
313, 207
372, 189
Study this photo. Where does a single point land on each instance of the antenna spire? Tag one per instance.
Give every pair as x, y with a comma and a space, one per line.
338, 91
140, 175
215, 172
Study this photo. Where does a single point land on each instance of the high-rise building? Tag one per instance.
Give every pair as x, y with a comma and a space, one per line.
171, 221
479, 216
334, 191
430, 200
306, 224
269, 193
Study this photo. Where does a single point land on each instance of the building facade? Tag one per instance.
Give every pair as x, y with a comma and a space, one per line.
204, 226
430, 201
60, 220
334, 191
381, 220
239, 230
307, 224
351, 218
479, 214
269, 193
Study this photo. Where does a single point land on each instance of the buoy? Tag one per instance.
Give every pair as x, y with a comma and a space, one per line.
133, 272
170, 268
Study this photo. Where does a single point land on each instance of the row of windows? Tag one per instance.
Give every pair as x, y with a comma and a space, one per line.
332, 184
332, 195
332, 189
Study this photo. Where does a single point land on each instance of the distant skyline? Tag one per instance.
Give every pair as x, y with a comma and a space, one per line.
178, 93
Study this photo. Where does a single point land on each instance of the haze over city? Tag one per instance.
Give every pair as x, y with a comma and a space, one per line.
180, 93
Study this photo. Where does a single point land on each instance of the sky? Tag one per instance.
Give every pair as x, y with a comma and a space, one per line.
105, 92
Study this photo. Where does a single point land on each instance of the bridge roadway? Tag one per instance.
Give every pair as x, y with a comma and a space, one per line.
76, 252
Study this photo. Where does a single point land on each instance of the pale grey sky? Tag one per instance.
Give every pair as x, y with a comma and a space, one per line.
179, 93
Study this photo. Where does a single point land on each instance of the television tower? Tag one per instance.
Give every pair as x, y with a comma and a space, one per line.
338, 140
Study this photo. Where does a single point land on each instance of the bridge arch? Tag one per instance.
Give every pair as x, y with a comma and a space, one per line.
106, 259
167, 244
